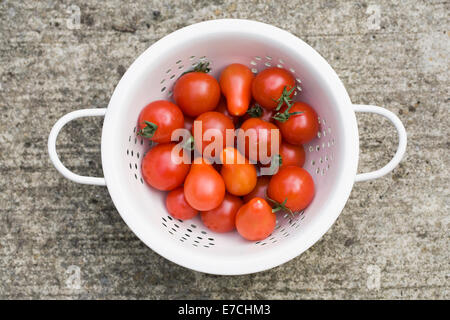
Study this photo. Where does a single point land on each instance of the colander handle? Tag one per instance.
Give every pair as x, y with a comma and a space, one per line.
52, 146
401, 142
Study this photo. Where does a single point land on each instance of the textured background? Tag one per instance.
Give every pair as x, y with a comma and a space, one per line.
391, 240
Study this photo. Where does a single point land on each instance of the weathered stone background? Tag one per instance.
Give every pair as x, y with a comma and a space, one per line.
391, 240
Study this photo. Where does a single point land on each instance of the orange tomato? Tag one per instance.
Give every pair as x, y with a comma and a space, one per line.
238, 173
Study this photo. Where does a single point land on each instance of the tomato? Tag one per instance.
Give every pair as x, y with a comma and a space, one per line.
161, 171
158, 120
299, 128
256, 111
216, 122
269, 85
236, 85
177, 205
260, 189
255, 220
263, 137
204, 188
238, 173
294, 184
222, 218
222, 108
290, 155
196, 93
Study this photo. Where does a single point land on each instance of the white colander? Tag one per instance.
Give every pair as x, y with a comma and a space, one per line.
331, 158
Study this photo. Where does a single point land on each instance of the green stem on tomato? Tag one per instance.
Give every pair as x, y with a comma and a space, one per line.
148, 131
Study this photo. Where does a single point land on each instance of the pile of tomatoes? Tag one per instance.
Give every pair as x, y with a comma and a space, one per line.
231, 195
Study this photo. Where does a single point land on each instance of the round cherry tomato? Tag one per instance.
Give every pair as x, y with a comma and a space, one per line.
263, 131
255, 220
177, 206
269, 85
158, 120
236, 85
222, 108
204, 188
161, 170
260, 189
290, 155
222, 218
299, 128
196, 93
256, 111
238, 173
294, 184
216, 122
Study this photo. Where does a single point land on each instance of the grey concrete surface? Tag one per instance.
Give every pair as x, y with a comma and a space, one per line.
392, 238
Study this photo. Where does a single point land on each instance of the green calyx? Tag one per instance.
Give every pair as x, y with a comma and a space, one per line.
148, 131
280, 206
285, 98
202, 66
255, 111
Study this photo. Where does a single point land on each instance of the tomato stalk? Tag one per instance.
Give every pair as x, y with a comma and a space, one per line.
280, 206
255, 111
284, 116
285, 98
202, 66
148, 131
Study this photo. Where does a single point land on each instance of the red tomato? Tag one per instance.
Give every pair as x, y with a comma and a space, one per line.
269, 85
161, 171
236, 85
290, 155
294, 184
158, 120
238, 174
204, 188
196, 93
260, 189
177, 205
299, 128
255, 220
256, 111
215, 121
222, 108
263, 138
222, 218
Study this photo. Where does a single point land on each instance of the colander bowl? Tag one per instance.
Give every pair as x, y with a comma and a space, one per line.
331, 158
